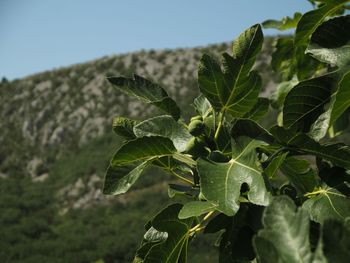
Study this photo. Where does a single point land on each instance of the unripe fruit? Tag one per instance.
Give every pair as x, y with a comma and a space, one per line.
196, 127
196, 147
218, 157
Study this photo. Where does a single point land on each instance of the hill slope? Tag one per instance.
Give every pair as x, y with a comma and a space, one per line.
56, 142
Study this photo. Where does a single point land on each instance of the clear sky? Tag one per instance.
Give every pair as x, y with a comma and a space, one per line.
38, 35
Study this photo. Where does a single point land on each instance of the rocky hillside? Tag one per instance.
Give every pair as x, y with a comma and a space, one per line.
56, 125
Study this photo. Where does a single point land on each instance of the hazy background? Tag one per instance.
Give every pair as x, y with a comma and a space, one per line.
38, 35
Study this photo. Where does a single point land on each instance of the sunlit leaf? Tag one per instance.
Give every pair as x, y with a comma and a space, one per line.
283, 24
234, 89
124, 127
167, 127
130, 160
221, 182
202, 105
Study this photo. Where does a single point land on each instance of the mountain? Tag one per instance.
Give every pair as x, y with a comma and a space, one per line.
56, 141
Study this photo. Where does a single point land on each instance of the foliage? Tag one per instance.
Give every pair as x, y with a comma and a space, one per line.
262, 190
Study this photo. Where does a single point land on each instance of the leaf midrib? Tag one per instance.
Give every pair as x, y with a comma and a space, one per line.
239, 72
234, 161
309, 111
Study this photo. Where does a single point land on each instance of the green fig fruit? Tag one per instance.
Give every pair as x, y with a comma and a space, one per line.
196, 127
197, 147
218, 157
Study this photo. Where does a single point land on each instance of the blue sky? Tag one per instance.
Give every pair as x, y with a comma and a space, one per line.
38, 35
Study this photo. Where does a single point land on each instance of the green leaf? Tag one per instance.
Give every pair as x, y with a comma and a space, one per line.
339, 103
148, 92
130, 160
333, 33
119, 179
336, 239
236, 242
234, 90
224, 139
259, 109
282, 89
251, 129
176, 189
282, 60
311, 20
305, 102
176, 244
285, 236
185, 158
196, 208
142, 251
202, 106
153, 235
221, 182
330, 42
327, 203
300, 174
217, 223
284, 24
164, 126
275, 164
338, 153
334, 56
124, 127
142, 149
335, 177
340, 125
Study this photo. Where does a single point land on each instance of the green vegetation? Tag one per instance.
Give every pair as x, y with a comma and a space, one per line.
60, 121
33, 230
271, 195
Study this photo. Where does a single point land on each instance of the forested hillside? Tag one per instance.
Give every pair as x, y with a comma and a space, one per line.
56, 140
